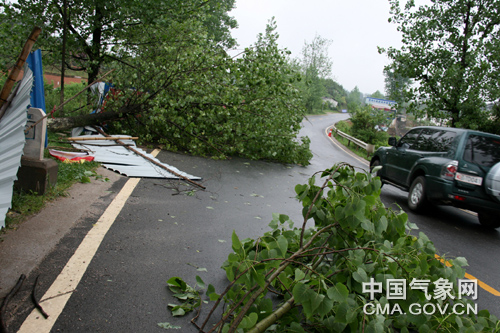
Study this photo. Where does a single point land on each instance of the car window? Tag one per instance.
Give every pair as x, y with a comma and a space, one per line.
482, 150
434, 140
443, 140
409, 139
424, 141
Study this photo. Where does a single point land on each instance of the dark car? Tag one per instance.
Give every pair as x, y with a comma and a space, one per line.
445, 166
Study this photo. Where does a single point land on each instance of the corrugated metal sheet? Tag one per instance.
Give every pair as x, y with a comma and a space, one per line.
126, 162
12, 141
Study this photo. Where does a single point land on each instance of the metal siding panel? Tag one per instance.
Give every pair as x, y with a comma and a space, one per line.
12, 141
124, 161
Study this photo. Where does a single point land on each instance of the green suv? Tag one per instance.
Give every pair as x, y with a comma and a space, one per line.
445, 166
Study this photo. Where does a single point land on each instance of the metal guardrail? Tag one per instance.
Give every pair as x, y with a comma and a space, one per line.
370, 149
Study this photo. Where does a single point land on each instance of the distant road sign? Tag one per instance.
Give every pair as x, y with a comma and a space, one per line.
380, 103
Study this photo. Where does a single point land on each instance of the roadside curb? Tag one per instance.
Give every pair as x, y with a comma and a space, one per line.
23, 249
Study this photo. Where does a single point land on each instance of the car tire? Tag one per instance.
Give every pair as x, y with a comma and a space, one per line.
488, 220
375, 163
417, 199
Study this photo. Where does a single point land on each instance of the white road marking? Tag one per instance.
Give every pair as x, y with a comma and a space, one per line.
56, 297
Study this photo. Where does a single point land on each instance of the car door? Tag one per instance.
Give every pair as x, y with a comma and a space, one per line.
396, 158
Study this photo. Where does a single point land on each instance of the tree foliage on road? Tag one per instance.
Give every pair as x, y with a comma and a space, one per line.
325, 277
211, 104
174, 82
450, 49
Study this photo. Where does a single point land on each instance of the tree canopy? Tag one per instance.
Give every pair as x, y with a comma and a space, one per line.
395, 85
174, 82
99, 32
377, 94
315, 66
354, 98
450, 50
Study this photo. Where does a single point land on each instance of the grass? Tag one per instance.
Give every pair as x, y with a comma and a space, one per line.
345, 126
25, 204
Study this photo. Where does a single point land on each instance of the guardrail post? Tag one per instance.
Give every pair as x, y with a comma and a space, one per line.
370, 149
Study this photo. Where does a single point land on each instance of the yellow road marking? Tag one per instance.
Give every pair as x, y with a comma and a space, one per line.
481, 284
62, 288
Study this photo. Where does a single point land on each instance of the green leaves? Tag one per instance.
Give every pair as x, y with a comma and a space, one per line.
237, 247
182, 291
338, 293
318, 273
249, 321
211, 293
360, 275
168, 326
457, 38
309, 299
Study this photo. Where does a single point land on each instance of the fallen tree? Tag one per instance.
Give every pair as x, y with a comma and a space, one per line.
186, 94
95, 119
332, 277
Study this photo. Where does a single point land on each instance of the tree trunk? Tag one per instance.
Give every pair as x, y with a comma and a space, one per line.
66, 123
95, 56
455, 117
63, 51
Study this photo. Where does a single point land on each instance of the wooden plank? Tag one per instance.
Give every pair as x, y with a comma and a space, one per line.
14, 73
89, 138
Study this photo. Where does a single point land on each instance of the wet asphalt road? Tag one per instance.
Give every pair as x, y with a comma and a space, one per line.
161, 233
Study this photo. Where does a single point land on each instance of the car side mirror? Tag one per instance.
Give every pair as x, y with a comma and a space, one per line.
393, 141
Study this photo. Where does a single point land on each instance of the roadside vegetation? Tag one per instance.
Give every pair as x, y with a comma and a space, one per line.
446, 68
25, 204
365, 124
74, 106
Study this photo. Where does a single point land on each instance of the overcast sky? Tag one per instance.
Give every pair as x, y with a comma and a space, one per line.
355, 27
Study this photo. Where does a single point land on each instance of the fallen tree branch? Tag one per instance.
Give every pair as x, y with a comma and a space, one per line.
93, 119
264, 324
67, 101
259, 291
6, 300
101, 138
35, 301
